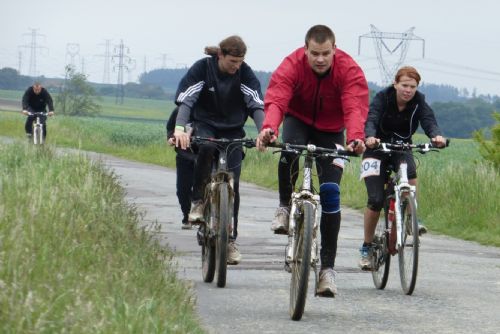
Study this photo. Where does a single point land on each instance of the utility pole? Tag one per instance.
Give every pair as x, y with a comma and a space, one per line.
107, 57
120, 51
384, 52
33, 46
72, 51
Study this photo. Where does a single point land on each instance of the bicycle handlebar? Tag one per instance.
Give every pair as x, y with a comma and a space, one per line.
35, 113
247, 142
402, 146
312, 149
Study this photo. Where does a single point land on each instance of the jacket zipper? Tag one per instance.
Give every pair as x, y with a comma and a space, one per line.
315, 110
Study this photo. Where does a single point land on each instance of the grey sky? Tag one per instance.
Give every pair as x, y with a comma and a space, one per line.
462, 39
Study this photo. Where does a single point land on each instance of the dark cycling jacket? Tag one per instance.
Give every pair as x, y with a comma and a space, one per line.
388, 124
330, 103
221, 100
34, 102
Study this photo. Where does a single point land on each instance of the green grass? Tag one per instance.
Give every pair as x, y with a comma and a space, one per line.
452, 183
73, 258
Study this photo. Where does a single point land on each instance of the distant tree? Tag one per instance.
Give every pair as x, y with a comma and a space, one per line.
10, 79
461, 119
77, 97
490, 149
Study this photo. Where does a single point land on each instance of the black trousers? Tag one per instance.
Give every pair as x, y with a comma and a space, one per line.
28, 126
184, 182
297, 132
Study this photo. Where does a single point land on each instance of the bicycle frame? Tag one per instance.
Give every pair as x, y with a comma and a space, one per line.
401, 188
301, 252
37, 128
213, 233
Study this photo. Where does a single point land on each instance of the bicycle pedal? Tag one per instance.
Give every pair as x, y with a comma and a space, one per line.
287, 268
281, 231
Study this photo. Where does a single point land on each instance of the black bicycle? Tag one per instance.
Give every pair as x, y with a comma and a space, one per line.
213, 234
399, 234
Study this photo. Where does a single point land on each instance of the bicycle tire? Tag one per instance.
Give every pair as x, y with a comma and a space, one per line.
408, 252
222, 235
382, 257
207, 252
301, 264
37, 134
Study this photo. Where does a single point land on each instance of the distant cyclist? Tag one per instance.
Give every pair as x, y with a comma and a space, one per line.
394, 115
36, 99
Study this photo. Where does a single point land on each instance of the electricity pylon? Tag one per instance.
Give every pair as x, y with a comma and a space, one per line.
385, 52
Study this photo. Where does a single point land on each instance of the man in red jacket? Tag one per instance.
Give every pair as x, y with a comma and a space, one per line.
318, 91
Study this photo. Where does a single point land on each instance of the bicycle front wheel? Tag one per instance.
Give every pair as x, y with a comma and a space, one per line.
381, 255
301, 262
37, 134
225, 203
408, 252
207, 254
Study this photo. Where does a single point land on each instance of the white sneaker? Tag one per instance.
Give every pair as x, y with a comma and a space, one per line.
326, 286
281, 220
196, 213
233, 254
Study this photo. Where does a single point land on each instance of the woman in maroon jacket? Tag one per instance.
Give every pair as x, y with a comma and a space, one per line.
318, 91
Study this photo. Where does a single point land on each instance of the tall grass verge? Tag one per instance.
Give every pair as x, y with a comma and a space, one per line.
458, 172
72, 258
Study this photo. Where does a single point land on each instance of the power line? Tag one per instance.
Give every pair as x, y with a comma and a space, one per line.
33, 46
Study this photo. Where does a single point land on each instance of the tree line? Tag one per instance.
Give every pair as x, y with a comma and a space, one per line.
458, 112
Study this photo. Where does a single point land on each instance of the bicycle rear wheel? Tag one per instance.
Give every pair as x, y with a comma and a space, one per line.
381, 255
301, 261
225, 203
408, 252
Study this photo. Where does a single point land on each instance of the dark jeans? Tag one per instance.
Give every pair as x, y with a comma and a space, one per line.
297, 132
184, 182
203, 165
28, 126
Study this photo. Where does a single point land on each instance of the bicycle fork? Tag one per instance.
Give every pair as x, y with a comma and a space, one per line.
295, 217
401, 189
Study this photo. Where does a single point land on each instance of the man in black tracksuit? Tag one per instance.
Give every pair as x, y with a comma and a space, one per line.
36, 99
218, 93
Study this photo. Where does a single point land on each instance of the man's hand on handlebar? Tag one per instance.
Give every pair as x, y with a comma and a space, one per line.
50, 113
357, 146
182, 139
265, 137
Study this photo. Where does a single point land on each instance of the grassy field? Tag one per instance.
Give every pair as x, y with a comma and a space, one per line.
452, 194
73, 258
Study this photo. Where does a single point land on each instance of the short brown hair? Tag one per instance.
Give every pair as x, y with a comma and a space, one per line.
408, 71
320, 34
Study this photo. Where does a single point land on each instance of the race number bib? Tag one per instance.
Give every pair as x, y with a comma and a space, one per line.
369, 167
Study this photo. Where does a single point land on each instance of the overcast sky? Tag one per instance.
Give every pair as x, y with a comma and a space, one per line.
462, 38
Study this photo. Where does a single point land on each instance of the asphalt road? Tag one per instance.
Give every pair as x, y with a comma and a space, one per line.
458, 286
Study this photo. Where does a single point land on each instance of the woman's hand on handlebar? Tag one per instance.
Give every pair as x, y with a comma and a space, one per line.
265, 137
372, 142
438, 141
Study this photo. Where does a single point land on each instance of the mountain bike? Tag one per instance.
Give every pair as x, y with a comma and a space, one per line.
399, 232
213, 233
301, 253
38, 137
